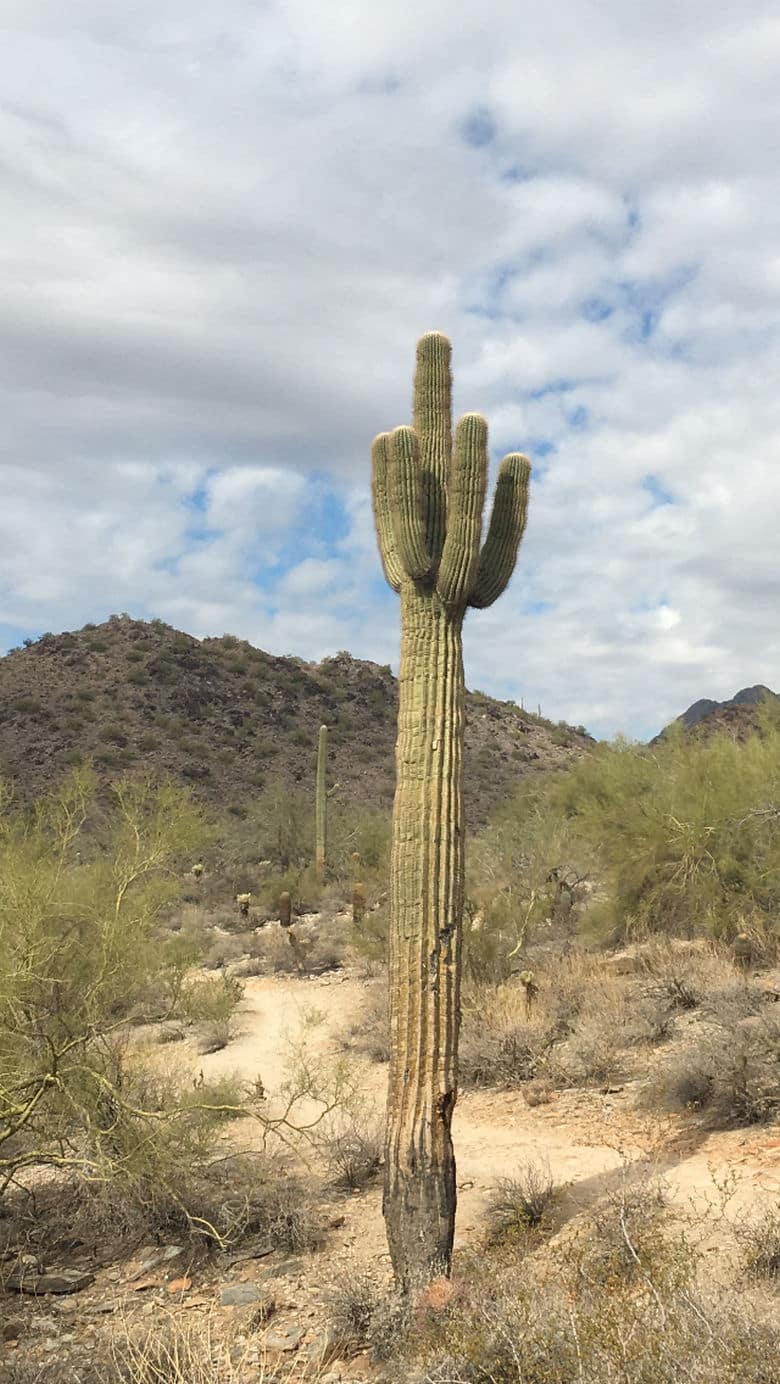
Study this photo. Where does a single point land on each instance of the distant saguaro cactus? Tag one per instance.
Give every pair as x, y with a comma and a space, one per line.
285, 909
321, 804
428, 498
358, 903
243, 901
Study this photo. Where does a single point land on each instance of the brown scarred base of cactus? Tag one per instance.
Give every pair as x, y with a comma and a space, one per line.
419, 1208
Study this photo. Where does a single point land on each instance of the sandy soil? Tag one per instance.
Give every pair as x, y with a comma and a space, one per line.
588, 1138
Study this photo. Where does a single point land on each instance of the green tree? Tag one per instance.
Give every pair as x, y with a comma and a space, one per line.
82, 892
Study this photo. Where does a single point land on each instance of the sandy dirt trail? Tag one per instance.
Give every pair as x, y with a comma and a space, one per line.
588, 1138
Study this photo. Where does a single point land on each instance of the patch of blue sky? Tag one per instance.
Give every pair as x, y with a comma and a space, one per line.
517, 173
11, 636
483, 293
479, 128
644, 301
578, 417
657, 491
597, 309
553, 387
321, 532
197, 502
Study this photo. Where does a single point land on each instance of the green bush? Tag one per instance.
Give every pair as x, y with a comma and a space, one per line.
683, 836
83, 952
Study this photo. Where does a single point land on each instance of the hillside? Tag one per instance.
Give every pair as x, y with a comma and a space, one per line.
736, 715
229, 720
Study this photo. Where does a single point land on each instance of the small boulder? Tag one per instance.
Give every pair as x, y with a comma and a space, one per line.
241, 1295
284, 1339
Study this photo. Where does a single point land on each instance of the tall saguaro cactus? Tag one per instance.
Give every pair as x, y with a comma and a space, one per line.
429, 492
321, 845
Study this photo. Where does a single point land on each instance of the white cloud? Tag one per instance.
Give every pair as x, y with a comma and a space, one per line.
224, 229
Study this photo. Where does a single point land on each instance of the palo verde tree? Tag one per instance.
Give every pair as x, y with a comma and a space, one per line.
429, 491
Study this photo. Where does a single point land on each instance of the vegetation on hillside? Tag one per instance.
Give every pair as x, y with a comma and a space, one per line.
231, 722
682, 838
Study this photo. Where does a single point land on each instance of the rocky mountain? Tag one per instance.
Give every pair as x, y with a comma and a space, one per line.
230, 720
737, 713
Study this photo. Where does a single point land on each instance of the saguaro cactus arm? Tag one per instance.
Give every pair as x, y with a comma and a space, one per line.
407, 504
391, 562
465, 499
432, 421
507, 525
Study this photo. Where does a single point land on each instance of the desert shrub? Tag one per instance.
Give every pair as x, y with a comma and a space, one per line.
684, 836
614, 1300
215, 1034
759, 1239
210, 997
303, 949
351, 1145
83, 951
625, 1237
592, 1053
26, 705
352, 1304
683, 832
224, 950
521, 1203
731, 1074
500, 1044
112, 734
514, 872
369, 1032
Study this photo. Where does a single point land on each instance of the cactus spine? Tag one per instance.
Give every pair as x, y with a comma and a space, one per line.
429, 491
321, 804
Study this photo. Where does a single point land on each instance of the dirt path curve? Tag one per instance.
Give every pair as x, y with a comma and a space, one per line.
587, 1137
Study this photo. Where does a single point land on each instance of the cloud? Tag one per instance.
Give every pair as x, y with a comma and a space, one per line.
224, 229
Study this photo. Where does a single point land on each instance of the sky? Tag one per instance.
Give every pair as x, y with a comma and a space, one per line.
223, 229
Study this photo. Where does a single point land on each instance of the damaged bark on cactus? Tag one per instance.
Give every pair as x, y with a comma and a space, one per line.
428, 497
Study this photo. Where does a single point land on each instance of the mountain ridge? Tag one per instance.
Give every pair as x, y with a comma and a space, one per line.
231, 720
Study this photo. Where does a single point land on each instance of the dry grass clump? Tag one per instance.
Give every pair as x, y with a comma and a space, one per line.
687, 974
502, 1043
352, 1303
730, 1073
521, 1203
759, 1239
614, 1301
352, 1148
183, 1351
368, 1033
582, 1022
304, 949
186, 1197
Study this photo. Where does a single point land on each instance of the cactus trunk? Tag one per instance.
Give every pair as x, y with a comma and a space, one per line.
429, 490
426, 912
321, 805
